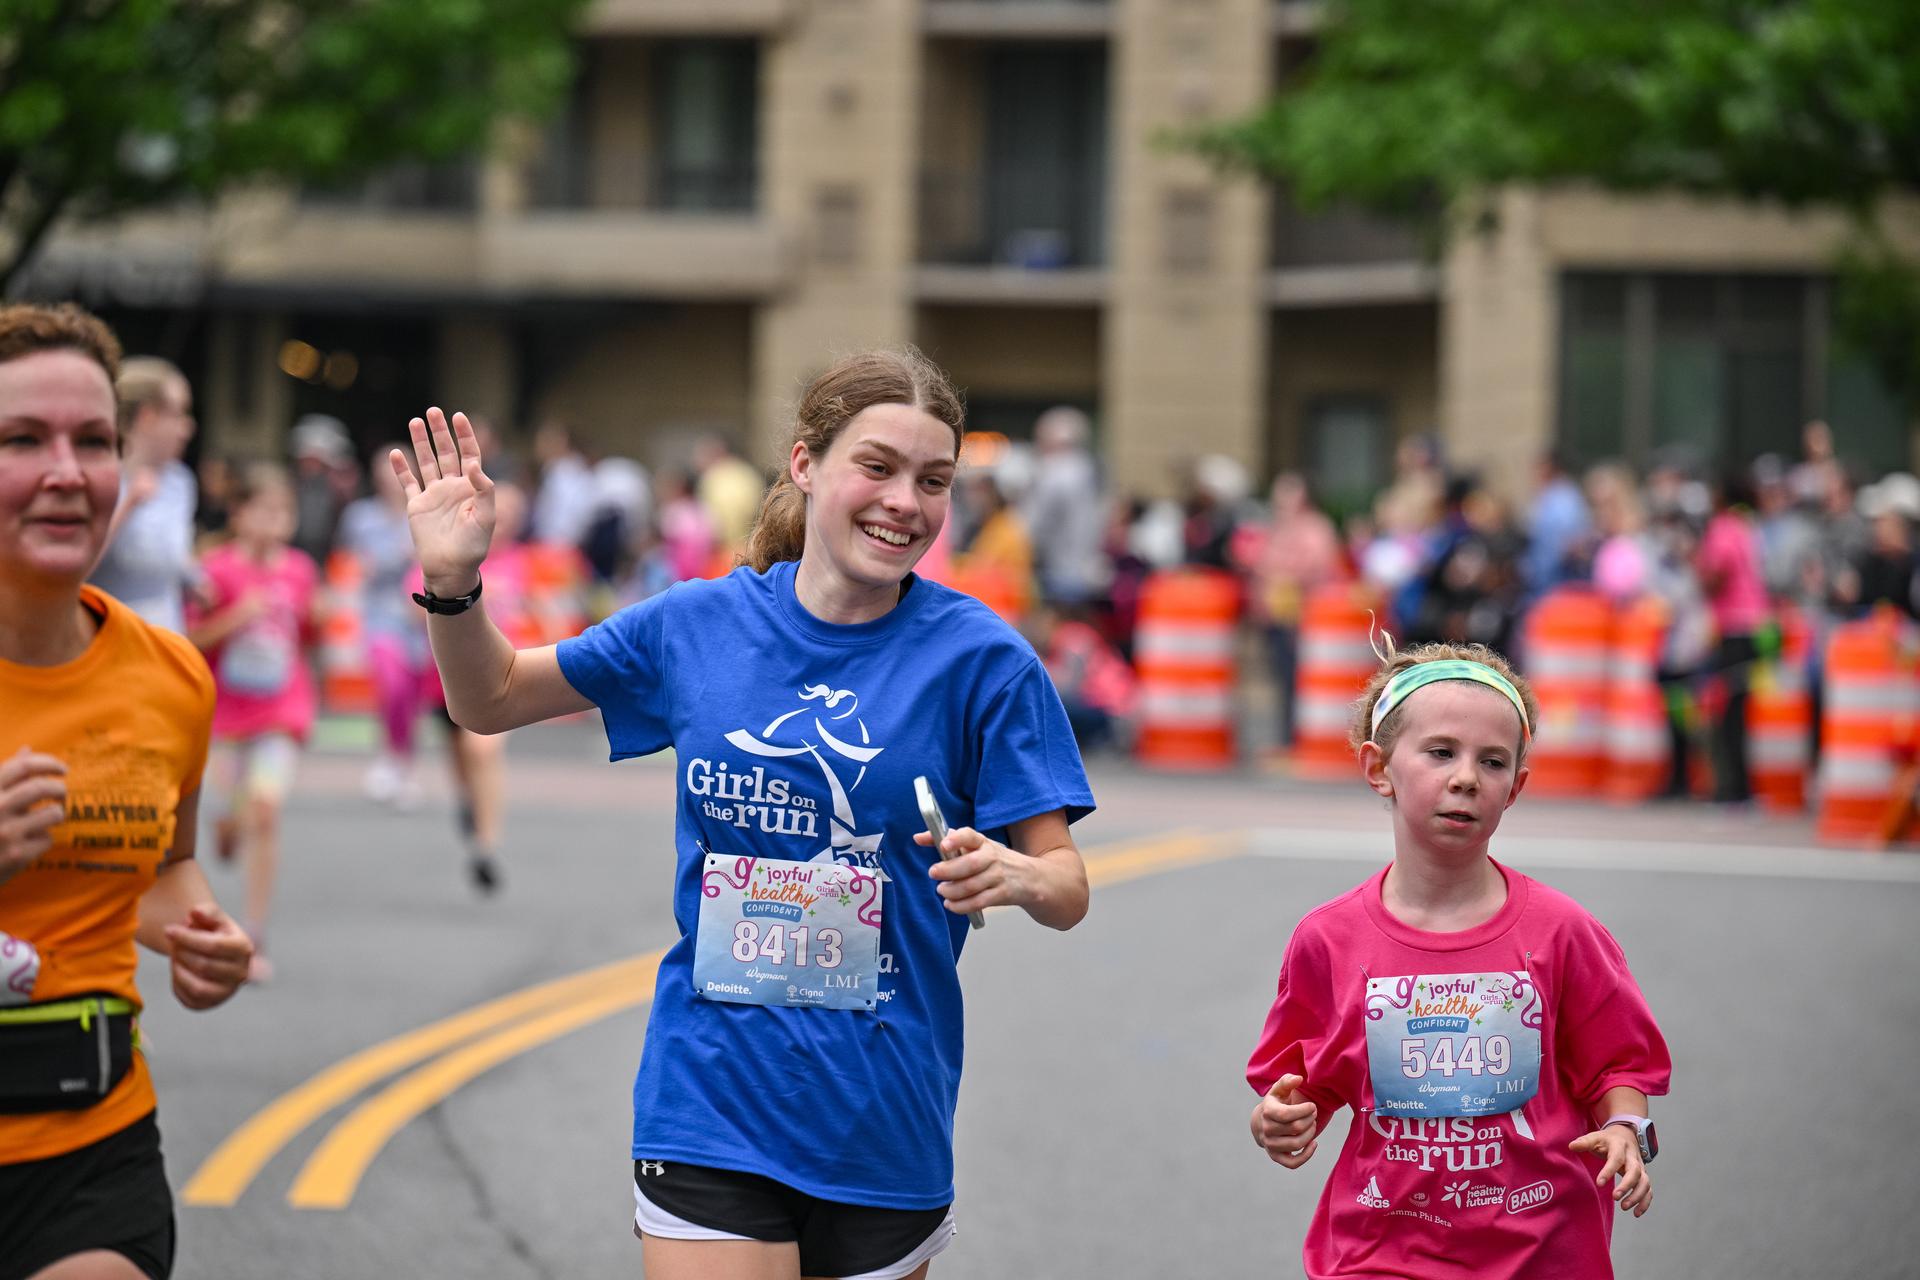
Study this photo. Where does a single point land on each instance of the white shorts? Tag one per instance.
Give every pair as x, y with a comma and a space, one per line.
257, 768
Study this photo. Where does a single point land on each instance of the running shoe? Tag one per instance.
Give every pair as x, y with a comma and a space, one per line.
484, 871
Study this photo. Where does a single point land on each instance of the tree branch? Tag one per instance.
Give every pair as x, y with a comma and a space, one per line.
41, 212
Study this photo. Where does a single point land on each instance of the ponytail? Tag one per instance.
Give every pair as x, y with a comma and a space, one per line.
780, 533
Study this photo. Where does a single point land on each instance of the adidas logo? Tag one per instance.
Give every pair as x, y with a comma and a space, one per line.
1371, 1197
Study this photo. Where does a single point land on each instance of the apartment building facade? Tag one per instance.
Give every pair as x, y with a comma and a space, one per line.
736, 190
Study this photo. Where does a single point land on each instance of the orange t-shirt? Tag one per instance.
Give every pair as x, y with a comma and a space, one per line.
130, 717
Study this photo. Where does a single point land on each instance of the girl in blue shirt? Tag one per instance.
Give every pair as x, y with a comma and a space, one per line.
793, 1110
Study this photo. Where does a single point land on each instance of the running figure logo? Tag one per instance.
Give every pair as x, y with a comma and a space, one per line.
846, 844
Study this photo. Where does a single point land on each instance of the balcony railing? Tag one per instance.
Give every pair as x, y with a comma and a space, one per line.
451, 187
577, 176
1019, 19
1338, 237
1038, 222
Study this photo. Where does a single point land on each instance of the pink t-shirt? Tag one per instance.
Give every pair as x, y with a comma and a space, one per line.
1498, 1197
260, 671
1729, 561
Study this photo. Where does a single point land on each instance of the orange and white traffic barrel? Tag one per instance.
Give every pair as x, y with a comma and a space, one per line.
1566, 660
556, 588
1870, 703
1336, 661
992, 586
1639, 748
1780, 721
346, 681
1184, 651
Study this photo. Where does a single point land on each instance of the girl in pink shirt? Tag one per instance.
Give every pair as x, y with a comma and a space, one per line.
256, 624
1484, 1028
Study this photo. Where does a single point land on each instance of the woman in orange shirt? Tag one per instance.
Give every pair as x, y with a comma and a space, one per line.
102, 743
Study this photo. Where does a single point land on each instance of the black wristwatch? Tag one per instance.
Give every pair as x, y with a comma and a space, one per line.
448, 605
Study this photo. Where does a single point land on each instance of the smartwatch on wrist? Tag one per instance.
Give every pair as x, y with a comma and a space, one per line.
448, 605
1643, 1130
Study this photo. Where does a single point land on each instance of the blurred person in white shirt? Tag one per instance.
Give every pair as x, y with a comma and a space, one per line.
1066, 511
149, 562
563, 508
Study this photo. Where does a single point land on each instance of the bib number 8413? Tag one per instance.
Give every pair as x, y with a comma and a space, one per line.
1416, 1060
749, 944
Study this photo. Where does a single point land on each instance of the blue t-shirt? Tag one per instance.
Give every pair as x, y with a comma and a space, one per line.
799, 739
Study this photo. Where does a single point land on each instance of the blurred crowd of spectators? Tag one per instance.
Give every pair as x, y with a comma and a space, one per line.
1729, 555
1445, 556
637, 531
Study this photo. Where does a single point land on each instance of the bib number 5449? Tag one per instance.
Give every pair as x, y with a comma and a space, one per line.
1471, 1057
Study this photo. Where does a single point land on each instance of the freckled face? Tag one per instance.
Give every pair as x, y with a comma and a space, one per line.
1453, 770
59, 464
879, 496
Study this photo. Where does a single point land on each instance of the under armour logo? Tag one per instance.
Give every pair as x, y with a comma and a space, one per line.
650, 1167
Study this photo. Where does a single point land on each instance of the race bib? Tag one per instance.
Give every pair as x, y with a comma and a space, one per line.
258, 661
804, 934
1456, 1044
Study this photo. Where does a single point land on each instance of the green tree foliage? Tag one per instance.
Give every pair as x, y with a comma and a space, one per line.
1412, 107
108, 106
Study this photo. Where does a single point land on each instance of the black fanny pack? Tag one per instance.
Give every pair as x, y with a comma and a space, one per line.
64, 1055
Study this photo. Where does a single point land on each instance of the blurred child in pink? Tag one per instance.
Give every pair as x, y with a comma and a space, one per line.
256, 622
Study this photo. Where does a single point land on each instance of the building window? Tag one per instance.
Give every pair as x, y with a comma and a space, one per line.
1349, 443
1046, 155
707, 117
1715, 368
1593, 367
666, 125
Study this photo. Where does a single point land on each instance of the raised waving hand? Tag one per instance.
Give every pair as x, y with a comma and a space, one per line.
450, 504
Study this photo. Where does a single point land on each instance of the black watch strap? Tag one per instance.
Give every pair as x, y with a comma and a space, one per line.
447, 605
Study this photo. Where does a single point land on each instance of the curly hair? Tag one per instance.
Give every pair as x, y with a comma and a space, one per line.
27, 329
1394, 661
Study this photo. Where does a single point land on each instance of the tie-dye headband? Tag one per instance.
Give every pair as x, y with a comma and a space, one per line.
1420, 675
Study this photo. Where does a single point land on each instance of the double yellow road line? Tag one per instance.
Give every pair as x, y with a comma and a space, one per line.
505, 1027
457, 1049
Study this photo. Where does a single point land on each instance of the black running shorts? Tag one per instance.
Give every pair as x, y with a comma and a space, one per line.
109, 1195
835, 1239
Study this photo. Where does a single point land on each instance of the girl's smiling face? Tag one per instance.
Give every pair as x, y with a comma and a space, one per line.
878, 497
1455, 767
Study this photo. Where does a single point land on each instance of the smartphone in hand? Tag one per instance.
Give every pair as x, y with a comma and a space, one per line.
937, 828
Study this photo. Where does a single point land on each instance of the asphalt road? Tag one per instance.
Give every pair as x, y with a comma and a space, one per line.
1102, 1126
